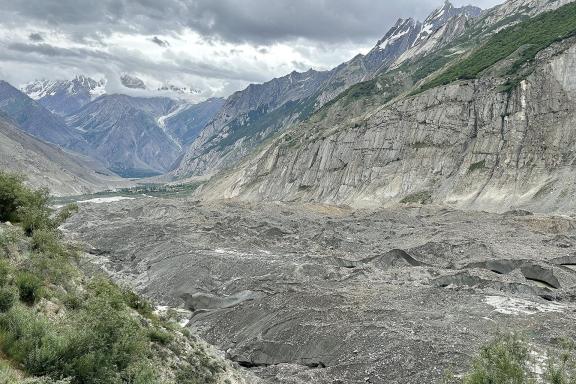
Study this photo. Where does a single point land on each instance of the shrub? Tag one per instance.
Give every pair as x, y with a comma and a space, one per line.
12, 196
562, 369
7, 299
477, 166
30, 287
4, 272
105, 344
138, 303
201, 368
21, 333
159, 336
30, 208
424, 197
504, 360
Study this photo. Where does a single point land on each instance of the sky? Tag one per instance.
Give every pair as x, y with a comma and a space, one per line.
213, 46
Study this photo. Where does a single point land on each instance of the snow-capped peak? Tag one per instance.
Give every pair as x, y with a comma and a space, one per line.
38, 89
171, 88
402, 28
439, 17
438, 13
81, 84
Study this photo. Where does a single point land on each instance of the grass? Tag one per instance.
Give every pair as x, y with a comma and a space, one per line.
59, 326
532, 35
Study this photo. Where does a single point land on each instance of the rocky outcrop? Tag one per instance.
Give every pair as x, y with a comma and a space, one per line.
468, 144
247, 118
252, 116
185, 122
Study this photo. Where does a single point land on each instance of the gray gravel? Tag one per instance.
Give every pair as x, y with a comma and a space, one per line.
324, 294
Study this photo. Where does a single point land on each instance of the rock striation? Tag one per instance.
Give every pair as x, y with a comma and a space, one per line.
471, 144
255, 114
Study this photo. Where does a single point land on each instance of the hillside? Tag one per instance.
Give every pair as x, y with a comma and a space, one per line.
124, 134
475, 143
36, 120
58, 325
252, 116
46, 165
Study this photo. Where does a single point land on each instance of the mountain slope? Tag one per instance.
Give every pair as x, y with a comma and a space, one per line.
186, 121
46, 165
36, 120
64, 97
124, 134
483, 142
251, 116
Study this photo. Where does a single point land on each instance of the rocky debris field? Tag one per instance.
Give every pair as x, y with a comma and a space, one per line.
314, 293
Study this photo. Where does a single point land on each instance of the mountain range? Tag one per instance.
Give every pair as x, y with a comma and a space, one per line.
131, 136
47, 165
484, 121
343, 135
251, 116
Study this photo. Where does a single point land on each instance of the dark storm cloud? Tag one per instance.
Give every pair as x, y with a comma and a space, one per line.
158, 41
125, 61
35, 37
255, 21
57, 38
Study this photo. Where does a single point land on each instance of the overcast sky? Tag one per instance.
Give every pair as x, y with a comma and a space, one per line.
215, 46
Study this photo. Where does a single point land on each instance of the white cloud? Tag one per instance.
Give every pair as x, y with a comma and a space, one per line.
217, 59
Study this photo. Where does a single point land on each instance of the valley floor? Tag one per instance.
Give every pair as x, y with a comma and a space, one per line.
323, 294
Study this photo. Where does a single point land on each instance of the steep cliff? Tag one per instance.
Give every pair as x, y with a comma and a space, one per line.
253, 115
501, 140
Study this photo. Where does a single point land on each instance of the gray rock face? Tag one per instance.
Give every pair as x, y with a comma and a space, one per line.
467, 144
306, 293
47, 166
247, 118
513, 11
186, 121
132, 82
251, 116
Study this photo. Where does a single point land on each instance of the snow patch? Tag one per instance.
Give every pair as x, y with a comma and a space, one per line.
515, 306
392, 39
103, 200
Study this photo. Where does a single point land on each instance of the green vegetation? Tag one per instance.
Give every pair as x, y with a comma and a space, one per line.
504, 360
379, 90
155, 190
59, 326
424, 197
531, 36
263, 121
509, 359
477, 166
